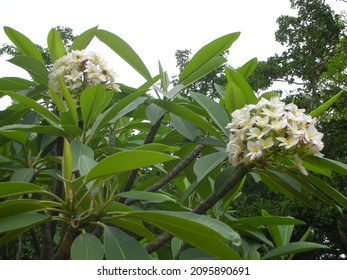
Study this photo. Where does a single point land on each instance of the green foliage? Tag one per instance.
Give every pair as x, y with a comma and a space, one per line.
117, 175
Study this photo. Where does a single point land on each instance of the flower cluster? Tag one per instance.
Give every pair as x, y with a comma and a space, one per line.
260, 132
80, 69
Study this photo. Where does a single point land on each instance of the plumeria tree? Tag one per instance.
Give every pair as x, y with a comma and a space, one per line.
94, 169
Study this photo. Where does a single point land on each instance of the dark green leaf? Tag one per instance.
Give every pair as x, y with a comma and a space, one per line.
292, 248
121, 246
187, 129
23, 175
15, 84
17, 188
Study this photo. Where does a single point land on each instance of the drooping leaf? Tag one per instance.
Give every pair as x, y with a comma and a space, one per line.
192, 229
126, 161
19, 206
42, 129
121, 246
328, 190
23, 43
28, 102
87, 247
55, 45
15, 84
22, 220
293, 248
33, 66
83, 40
123, 49
18, 188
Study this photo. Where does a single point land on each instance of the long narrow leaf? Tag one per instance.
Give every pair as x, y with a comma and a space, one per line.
293, 248
123, 49
83, 40
28, 102
55, 45
324, 107
205, 55
24, 44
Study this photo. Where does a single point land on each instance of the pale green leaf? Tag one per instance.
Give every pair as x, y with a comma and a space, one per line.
83, 40
87, 247
55, 45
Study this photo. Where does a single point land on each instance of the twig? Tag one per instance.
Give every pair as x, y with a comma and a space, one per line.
205, 205
173, 173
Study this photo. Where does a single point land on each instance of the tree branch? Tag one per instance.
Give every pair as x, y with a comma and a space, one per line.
205, 205
173, 173
149, 139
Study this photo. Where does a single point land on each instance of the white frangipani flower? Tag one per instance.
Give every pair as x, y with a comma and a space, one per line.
259, 132
80, 69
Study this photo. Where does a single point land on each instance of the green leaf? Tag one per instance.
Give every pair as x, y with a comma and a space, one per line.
293, 248
18, 188
22, 220
247, 69
271, 220
197, 230
187, 129
326, 163
42, 129
87, 247
28, 102
280, 234
154, 113
123, 49
15, 84
23, 175
146, 196
203, 70
33, 66
126, 161
242, 84
69, 100
324, 107
207, 58
14, 207
215, 111
234, 98
119, 109
55, 45
93, 102
278, 181
187, 115
328, 190
17, 136
24, 44
195, 254
83, 40
121, 246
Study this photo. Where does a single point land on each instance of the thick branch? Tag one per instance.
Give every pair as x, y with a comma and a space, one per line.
205, 205
173, 173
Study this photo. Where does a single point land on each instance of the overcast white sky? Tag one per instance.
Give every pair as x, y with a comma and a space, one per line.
154, 28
